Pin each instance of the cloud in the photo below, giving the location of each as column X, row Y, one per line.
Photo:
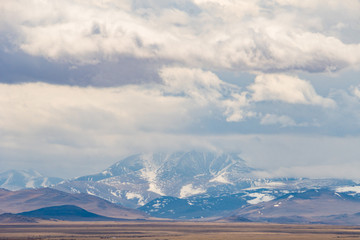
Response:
column 83, row 117
column 284, row 121
column 206, row 89
column 159, row 76
column 290, row 89
column 355, row 91
column 236, row 35
column 341, row 171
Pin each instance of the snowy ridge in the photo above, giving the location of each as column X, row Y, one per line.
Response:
column 140, row 178
column 15, row 180
column 190, row 179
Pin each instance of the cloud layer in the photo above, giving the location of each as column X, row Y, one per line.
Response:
column 258, row 36
column 83, row 80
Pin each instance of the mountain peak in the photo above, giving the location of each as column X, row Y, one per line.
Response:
column 20, row 179
column 141, row 177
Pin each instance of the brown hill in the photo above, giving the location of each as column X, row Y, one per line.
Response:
column 31, row 199
column 13, row 218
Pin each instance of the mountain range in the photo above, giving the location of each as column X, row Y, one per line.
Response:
column 20, row 179
column 140, row 178
column 199, row 185
column 320, row 206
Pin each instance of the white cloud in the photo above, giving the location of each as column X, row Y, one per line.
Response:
column 290, row 89
column 206, row 89
column 37, row 115
column 203, row 86
column 237, row 35
column 340, row 170
column 284, row 121
column 87, row 117
column 355, row 91
column 262, row 37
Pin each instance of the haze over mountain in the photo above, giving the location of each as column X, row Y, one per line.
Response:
column 20, row 179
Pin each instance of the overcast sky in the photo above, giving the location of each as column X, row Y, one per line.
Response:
column 84, row 83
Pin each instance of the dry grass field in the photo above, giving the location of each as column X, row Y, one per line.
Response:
column 172, row 230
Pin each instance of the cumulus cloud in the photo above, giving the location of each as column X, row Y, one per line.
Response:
column 205, row 88
column 237, row 35
column 290, row 89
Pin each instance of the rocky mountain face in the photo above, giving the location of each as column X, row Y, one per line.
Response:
column 138, row 179
column 15, row 180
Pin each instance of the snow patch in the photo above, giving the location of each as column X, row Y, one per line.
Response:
column 106, row 172
column 131, row 195
column 337, row 194
column 267, row 184
column 90, row 193
column 45, row 182
column 355, row 189
column 116, row 193
column 155, row 189
column 149, row 173
column 189, row 190
column 74, row 190
column 260, row 197
column 221, row 179
column 30, row 184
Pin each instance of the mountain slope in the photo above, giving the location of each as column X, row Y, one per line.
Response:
column 313, row 206
column 31, row 199
column 195, row 207
column 65, row 213
column 16, row 180
column 14, row 218
column 140, row 178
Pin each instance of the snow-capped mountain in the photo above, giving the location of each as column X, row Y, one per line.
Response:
column 322, row 206
column 212, row 206
column 196, row 185
column 15, row 180
column 141, row 178
column 202, row 178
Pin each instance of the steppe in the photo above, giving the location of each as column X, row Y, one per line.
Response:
column 172, row 231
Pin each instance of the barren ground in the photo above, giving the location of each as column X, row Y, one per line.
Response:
column 172, row 230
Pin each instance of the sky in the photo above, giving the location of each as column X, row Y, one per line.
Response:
column 84, row 83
